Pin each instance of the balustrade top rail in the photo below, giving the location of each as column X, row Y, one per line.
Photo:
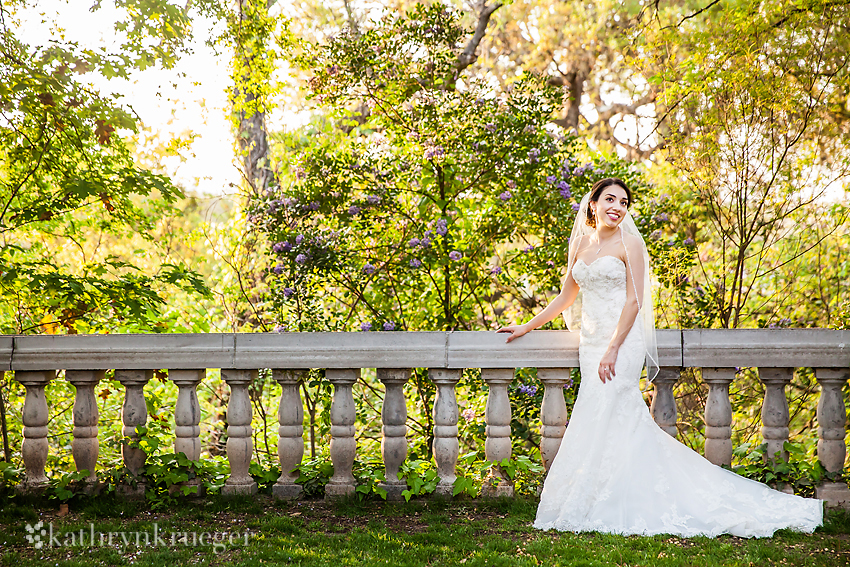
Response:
column 716, row 348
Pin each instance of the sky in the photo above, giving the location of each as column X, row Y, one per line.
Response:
column 164, row 101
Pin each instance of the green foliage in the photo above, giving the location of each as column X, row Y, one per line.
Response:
column 421, row 478
column 66, row 179
column 455, row 199
column 801, row 471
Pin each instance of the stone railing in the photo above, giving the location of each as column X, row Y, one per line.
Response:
column 776, row 353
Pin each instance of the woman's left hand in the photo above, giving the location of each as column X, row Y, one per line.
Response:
column 606, row 365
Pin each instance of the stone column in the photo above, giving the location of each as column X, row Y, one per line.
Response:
column 84, row 446
column 445, row 447
column 553, row 412
column 774, row 410
column 497, row 415
column 187, row 417
column 718, row 415
column 290, row 441
column 394, row 430
column 831, row 416
column 240, row 445
column 343, row 444
column 134, row 414
column 34, row 448
column 663, row 407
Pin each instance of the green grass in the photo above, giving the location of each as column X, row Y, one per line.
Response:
column 310, row 533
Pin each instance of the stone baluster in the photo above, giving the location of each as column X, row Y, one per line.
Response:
column 445, row 447
column 663, row 408
column 718, row 415
column 774, row 410
column 343, row 444
column 240, row 444
column 187, row 417
column 290, row 441
column 497, row 415
column 832, row 416
column 84, row 446
column 34, row 449
column 134, row 414
column 394, row 430
column 553, row 412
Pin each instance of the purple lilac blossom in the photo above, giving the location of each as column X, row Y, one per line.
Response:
column 569, row 383
column 279, row 329
column 551, row 179
column 468, row 414
column 455, row 255
column 416, row 263
column 490, row 127
column 511, row 184
column 575, row 207
column 533, row 154
column 496, row 270
column 299, row 239
column 314, row 206
column 389, row 326
column 365, row 326
column 529, row 390
column 369, row 269
column 529, row 248
column 565, row 191
column 505, row 196
column 688, row 241
column 301, row 258
column 434, row 152
column 662, row 218
column 655, row 235
column 373, row 199
column 442, row 227
column 278, row 269
column 288, row 292
column 278, row 247
column 425, row 242
column 353, row 210
column 413, row 242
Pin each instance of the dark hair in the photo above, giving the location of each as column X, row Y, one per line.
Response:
column 596, row 191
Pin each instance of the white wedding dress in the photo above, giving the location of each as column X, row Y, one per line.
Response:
column 618, row 472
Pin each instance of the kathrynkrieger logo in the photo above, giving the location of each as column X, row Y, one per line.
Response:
column 40, row 536
column 35, row 533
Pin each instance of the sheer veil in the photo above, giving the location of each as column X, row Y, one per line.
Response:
column 646, row 314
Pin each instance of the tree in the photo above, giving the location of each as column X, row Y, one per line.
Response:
column 68, row 180
column 757, row 105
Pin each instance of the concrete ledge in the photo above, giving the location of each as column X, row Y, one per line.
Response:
column 718, row 348
column 6, row 344
column 124, row 352
column 487, row 349
column 712, row 348
column 341, row 350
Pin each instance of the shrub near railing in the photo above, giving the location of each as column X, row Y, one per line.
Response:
column 502, row 469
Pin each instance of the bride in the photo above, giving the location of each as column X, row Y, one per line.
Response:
column 616, row 470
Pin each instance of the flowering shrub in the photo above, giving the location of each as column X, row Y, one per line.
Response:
column 442, row 203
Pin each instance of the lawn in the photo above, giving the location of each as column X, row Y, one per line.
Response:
column 258, row 531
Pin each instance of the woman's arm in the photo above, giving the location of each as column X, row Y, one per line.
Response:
column 634, row 292
column 569, row 292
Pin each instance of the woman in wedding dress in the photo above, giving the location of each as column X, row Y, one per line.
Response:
column 616, row 471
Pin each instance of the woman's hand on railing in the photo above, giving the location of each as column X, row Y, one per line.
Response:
column 516, row 331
